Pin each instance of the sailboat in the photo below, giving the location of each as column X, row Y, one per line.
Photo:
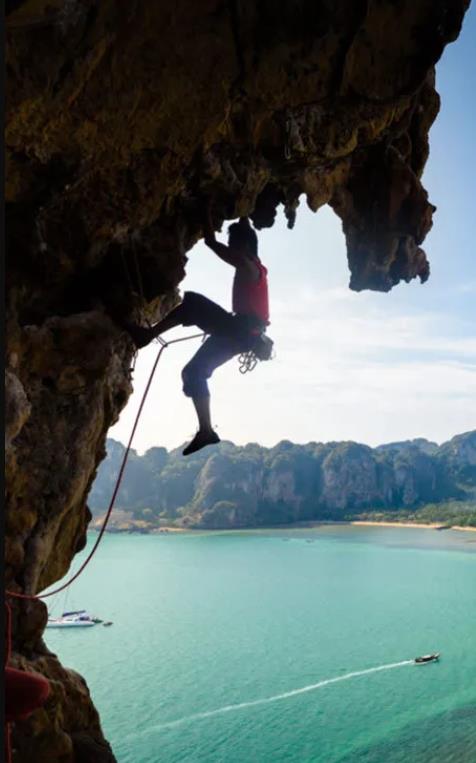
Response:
column 77, row 619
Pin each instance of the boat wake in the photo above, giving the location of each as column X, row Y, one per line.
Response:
column 269, row 700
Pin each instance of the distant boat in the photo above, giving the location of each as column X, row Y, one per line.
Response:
column 77, row 619
column 82, row 614
column 427, row 658
column 65, row 622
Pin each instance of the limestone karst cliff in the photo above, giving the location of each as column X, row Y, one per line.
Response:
column 122, row 118
column 228, row 486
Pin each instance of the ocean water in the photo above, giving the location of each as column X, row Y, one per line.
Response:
column 289, row 645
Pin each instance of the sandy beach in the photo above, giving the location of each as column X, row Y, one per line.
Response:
column 466, row 529
column 418, row 525
column 122, row 521
column 421, row 525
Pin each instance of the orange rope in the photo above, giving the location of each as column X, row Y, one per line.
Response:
column 163, row 344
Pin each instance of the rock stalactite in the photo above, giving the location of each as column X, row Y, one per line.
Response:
column 123, row 119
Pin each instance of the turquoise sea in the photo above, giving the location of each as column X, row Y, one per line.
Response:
column 281, row 645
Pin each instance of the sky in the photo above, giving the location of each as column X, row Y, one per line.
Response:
column 368, row 367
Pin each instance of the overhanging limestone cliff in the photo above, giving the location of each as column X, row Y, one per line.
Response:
column 123, row 119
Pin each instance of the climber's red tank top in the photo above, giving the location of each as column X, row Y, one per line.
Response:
column 251, row 297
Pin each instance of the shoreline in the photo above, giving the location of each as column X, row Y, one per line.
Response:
column 417, row 525
column 464, row 529
column 125, row 527
column 385, row 523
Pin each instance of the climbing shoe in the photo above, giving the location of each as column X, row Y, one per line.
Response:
column 140, row 335
column 200, row 440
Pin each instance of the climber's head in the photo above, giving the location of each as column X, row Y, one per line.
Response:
column 242, row 236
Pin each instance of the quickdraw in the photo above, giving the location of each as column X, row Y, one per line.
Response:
column 247, row 361
column 262, row 350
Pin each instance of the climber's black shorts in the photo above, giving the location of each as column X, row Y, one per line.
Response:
column 229, row 335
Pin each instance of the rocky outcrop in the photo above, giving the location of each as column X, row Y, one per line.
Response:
column 76, row 372
column 460, row 454
column 122, row 119
column 252, row 486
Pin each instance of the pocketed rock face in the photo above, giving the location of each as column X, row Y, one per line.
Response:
column 123, row 119
column 76, row 371
column 67, row 727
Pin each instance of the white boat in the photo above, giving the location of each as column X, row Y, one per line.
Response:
column 60, row 622
column 77, row 619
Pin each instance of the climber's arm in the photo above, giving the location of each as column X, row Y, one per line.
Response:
column 230, row 256
column 223, row 252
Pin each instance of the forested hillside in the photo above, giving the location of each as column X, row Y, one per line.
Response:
column 227, row 486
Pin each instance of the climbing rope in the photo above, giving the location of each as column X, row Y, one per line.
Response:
column 287, row 147
column 163, row 345
column 8, row 629
column 8, row 651
column 136, row 287
column 8, row 742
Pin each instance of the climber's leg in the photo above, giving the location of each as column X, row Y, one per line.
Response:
column 143, row 335
column 202, row 312
column 194, row 310
column 212, row 354
column 206, row 435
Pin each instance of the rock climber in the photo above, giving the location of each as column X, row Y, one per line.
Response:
column 229, row 333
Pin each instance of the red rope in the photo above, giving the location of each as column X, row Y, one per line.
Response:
column 8, row 623
column 8, row 743
column 118, row 481
column 8, row 651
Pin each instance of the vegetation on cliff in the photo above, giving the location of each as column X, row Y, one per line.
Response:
column 227, row 486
